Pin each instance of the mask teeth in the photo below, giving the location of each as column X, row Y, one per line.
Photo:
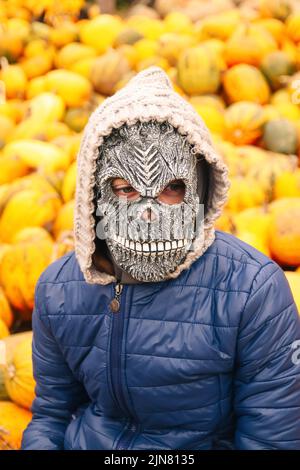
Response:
column 152, row 248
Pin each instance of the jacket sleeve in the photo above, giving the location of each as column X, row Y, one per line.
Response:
column 267, row 379
column 57, row 392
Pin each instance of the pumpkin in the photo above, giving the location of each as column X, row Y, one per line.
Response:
column 100, row 32
column 12, row 167
column 69, row 183
column 211, row 100
column 145, row 48
column 11, row 47
column 220, row 26
column 198, row 71
column 150, row 28
column 178, row 22
column 244, row 122
column 244, row 193
column 6, row 314
column 83, row 66
column 289, row 111
column 279, row 9
column 46, row 107
column 65, row 219
column 77, row 118
column 255, row 220
column 13, row 422
column 74, row 89
column 254, row 240
column 37, row 154
column 249, row 44
column 213, row 118
column 28, row 208
column 107, row 70
column 280, row 135
column 18, row 375
column 171, row 45
column 72, row 53
column 19, row 271
column 15, row 81
column 4, row 331
column 236, row 84
column 31, row 234
column 127, row 36
column 287, row 184
column 276, row 65
column 285, row 235
column 6, row 126
column 37, row 65
column 293, row 27
column 294, row 283
column 274, row 26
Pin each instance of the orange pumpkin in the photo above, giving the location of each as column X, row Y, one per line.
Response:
column 237, row 86
column 20, row 269
column 5, row 311
column 18, row 374
column 294, row 282
column 13, row 422
column 244, row 122
column 285, row 235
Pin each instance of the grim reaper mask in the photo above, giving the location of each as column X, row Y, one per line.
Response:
column 149, row 238
column 148, row 135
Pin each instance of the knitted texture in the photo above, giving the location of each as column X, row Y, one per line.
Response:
column 148, row 96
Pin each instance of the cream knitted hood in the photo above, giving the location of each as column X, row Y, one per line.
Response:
column 148, row 96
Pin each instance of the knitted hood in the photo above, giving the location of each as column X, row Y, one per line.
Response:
column 148, row 96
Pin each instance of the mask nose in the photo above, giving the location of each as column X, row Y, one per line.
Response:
column 148, row 215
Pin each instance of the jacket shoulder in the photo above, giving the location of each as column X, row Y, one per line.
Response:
column 62, row 270
column 233, row 248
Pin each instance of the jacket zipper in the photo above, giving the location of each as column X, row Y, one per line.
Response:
column 116, row 347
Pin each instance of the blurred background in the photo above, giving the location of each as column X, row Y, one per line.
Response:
column 236, row 62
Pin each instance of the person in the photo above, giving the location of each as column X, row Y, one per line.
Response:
column 159, row 332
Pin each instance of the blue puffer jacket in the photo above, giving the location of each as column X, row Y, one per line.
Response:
column 208, row 360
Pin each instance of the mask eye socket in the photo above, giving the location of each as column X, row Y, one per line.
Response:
column 173, row 193
column 121, row 188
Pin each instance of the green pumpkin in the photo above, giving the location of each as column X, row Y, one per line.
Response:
column 275, row 66
column 280, row 135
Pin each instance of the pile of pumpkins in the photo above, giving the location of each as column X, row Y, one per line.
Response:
column 238, row 66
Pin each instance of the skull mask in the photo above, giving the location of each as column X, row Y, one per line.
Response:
column 148, row 156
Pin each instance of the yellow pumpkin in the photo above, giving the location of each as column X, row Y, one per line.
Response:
column 100, row 32
column 12, row 167
column 13, row 422
column 178, row 22
column 13, row 109
column 249, row 44
column 31, row 234
column 213, row 118
column 46, row 107
column 293, row 27
column 11, row 46
column 18, row 375
column 171, row 45
column 35, row 86
column 275, row 8
column 287, row 184
column 145, row 48
column 150, row 28
column 69, row 183
column 37, row 154
column 285, row 235
column 72, row 53
column 244, row 122
column 65, row 219
column 15, row 81
column 4, row 331
column 37, row 65
column 19, row 271
column 236, row 84
column 254, row 240
column 294, row 282
column 83, row 67
column 221, row 25
column 74, row 89
column 6, row 314
column 107, row 70
column 255, row 220
column 28, row 208
column 6, row 127
column 198, row 71
column 244, row 193
column 274, row 26
column 63, row 33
